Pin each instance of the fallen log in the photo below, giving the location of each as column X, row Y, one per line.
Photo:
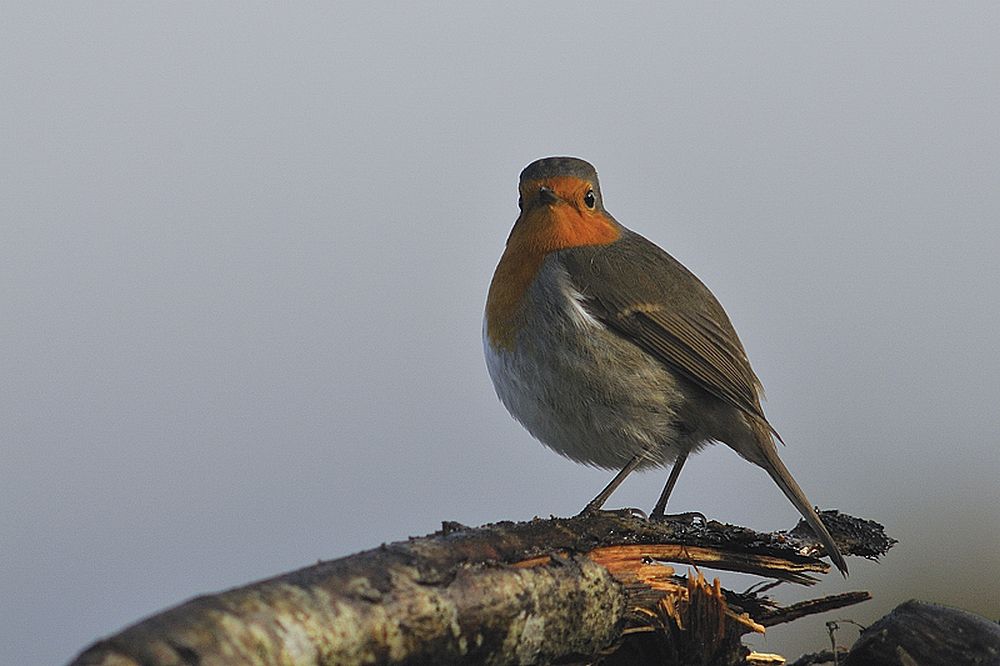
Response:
column 599, row 588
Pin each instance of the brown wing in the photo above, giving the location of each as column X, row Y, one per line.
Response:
column 649, row 298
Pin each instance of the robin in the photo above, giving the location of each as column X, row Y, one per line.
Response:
column 611, row 352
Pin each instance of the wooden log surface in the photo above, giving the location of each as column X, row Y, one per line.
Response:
column 917, row 633
column 587, row 588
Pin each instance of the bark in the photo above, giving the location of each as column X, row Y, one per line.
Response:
column 917, row 633
column 598, row 588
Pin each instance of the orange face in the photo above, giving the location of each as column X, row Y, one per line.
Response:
column 564, row 217
column 556, row 213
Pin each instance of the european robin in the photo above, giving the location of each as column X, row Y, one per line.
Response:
column 611, row 352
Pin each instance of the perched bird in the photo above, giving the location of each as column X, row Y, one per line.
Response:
column 611, row 352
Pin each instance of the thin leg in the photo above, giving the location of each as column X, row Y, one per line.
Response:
column 602, row 497
column 675, row 472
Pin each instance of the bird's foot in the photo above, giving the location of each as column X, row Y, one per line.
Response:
column 691, row 517
column 625, row 512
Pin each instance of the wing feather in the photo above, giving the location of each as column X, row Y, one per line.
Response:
column 669, row 313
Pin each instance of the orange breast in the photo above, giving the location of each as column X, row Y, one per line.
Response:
column 535, row 234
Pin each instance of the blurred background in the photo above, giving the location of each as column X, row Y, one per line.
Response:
column 245, row 250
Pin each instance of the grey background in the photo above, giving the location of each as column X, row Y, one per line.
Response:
column 245, row 250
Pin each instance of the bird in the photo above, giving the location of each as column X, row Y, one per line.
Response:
column 612, row 353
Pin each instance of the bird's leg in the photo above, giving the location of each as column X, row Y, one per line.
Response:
column 661, row 503
column 602, row 497
column 675, row 472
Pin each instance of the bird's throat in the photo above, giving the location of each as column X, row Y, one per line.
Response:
column 537, row 233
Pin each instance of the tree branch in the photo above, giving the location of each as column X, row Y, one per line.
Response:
column 596, row 587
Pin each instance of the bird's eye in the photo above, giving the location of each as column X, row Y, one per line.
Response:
column 590, row 199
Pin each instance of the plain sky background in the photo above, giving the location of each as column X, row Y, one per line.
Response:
column 245, row 250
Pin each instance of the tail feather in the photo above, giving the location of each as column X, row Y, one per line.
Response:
column 777, row 470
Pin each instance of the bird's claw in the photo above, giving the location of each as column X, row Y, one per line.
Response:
column 625, row 512
column 695, row 518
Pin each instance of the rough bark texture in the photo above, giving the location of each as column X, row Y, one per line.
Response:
column 917, row 633
column 584, row 589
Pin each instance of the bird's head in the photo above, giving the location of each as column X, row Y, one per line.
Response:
column 561, row 206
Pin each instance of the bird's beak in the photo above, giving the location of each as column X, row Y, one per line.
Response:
column 547, row 195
